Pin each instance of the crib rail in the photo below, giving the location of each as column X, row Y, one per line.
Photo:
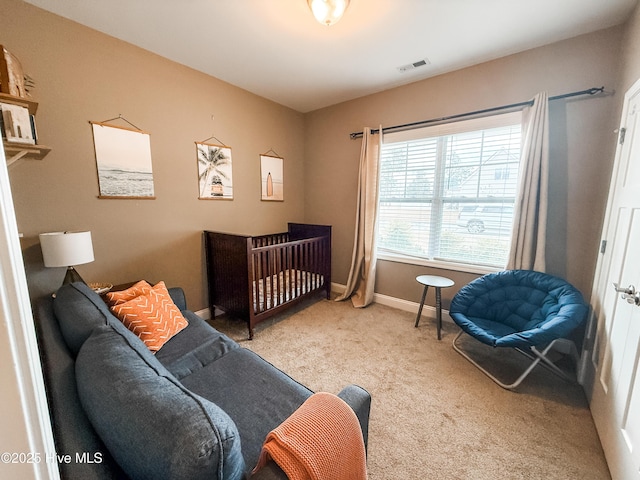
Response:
column 272, row 239
column 282, row 272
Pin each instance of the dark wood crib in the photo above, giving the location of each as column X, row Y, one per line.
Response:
column 256, row 277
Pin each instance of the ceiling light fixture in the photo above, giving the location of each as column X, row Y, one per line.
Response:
column 328, row 12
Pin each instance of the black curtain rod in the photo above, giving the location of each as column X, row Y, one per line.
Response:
column 407, row 126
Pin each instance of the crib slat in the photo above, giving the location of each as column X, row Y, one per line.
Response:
column 288, row 280
column 275, row 277
column 305, row 282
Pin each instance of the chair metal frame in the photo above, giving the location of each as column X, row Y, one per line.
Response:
column 538, row 357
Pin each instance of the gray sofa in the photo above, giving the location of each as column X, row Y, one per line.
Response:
column 200, row 407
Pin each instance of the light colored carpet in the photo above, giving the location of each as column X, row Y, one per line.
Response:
column 433, row 414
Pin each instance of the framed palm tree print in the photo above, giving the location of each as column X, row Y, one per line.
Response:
column 215, row 181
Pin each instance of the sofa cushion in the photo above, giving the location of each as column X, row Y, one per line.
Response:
column 152, row 425
column 72, row 430
column 151, row 316
column 79, row 310
column 255, row 394
column 121, row 296
column 178, row 297
column 197, row 345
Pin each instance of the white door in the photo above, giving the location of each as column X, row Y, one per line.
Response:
column 612, row 379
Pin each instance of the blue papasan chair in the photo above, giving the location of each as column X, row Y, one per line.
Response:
column 521, row 309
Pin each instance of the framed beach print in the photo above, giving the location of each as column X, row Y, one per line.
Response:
column 272, row 178
column 123, row 158
column 215, row 180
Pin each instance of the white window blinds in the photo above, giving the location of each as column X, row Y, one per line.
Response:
column 447, row 191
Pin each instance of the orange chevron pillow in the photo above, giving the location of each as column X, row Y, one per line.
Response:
column 116, row 298
column 153, row 317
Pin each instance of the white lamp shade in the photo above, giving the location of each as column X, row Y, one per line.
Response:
column 65, row 249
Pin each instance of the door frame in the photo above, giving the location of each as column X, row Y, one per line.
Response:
column 26, row 422
column 586, row 368
column 589, row 368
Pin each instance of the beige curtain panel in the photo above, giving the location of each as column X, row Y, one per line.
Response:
column 362, row 276
column 530, row 222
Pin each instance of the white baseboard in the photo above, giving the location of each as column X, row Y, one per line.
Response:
column 204, row 314
column 404, row 305
column 428, row 311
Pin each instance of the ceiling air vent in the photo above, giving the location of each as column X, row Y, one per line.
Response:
column 411, row 66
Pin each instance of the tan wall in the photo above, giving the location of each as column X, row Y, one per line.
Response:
column 582, row 145
column 83, row 75
column 630, row 58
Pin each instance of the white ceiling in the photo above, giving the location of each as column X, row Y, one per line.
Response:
column 276, row 49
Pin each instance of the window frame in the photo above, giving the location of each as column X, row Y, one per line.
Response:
column 449, row 128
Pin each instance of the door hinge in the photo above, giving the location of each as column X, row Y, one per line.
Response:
column 603, row 246
column 623, row 132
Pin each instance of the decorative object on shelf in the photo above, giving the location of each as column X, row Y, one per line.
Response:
column 67, row 249
column 272, row 177
column 100, row 288
column 17, row 125
column 15, row 151
column 11, row 74
column 328, row 12
column 29, row 84
column 123, row 159
column 215, row 180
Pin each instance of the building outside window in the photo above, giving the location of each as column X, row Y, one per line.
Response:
column 447, row 193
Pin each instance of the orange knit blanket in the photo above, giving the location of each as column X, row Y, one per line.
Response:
column 321, row 440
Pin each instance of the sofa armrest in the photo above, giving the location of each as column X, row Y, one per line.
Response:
column 360, row 402
column 177, row 295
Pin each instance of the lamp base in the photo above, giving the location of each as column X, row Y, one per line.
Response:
column 72, row 276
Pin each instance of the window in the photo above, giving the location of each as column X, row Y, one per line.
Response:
column 447, row 192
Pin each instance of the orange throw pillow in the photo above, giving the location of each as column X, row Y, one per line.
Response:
column 153, row 317
column 116, row 298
